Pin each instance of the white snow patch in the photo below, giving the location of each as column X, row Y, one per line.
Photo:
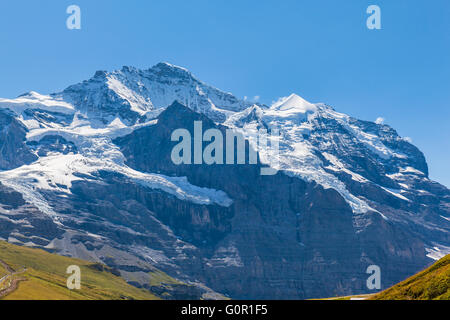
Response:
column 339, row 166
column 408, row 139
column 411, row 170
column 34, row 100
column 437, row 252
column 137, row 103
column 293, row 105
column 379, row 120
column 396, row 193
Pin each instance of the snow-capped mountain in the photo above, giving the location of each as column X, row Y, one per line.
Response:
column 87, row 172
column 136, row 95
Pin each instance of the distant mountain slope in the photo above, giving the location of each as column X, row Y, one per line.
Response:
column 430, row 284
column 46, row 277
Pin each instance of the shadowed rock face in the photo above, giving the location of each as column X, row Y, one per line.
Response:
column 13, row 150
column 424, row 202
column 21, row 222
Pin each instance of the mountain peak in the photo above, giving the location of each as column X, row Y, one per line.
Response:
column 167, row 69
column 135, row 95
column 293, row 104
column 167, row 65
column 100, row 74
column 162, row 69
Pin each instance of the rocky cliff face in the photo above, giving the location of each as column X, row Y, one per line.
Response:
column 88, row 173
column 281, row 227
column 13, row 150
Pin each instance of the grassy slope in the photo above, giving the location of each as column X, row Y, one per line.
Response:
column 46, row 275
column 431, row 284
column 158, row 278
column 357, row 297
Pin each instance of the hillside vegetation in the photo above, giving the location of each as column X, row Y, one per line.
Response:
column 431, row 284
column 42, row 276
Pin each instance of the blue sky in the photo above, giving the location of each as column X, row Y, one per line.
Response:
column 321, row 50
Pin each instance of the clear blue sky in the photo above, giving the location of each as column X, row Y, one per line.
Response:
column 318, row 49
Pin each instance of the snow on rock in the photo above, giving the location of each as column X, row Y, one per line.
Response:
column 372, row 141
column 437, row 252
column 291, row 105
column 96, row 153
column 34, row 100
column 133, row 93
column 296, row 155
